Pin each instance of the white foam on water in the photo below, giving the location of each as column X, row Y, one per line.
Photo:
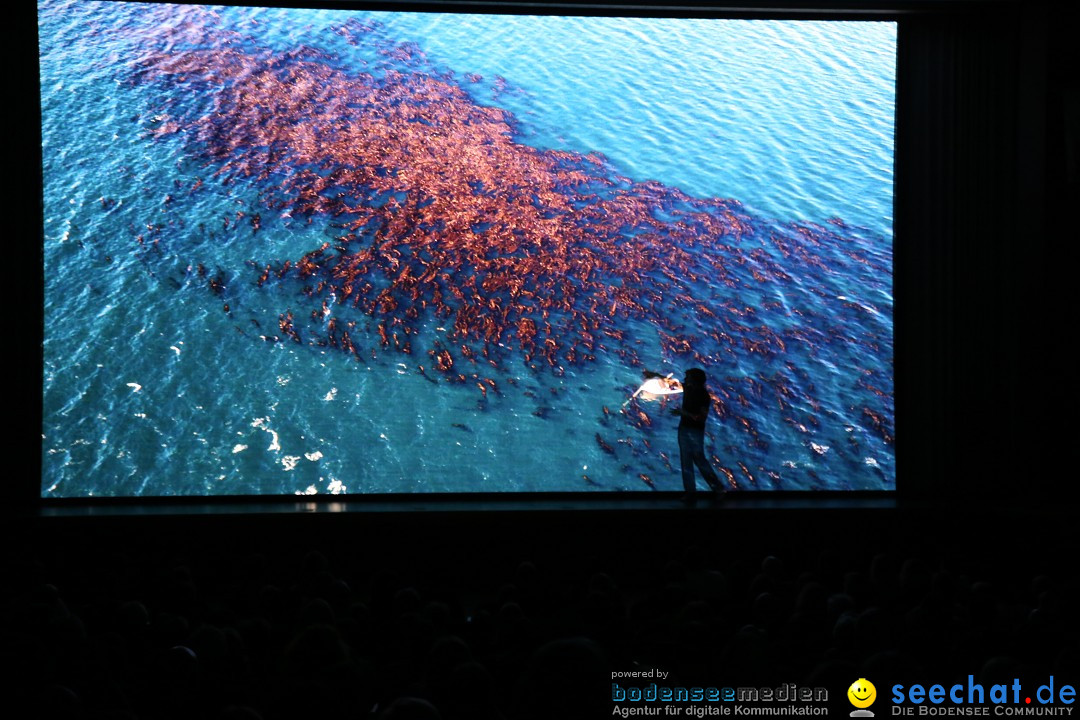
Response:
column 262, row 424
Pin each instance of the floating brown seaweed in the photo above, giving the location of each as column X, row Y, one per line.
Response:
column 546, row 258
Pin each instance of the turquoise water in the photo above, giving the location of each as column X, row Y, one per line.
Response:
column 151, row 388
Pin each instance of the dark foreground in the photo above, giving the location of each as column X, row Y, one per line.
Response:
column 510, row 611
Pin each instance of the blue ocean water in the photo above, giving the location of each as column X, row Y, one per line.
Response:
column 151, row 389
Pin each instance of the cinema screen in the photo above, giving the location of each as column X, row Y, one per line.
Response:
column 373, row 252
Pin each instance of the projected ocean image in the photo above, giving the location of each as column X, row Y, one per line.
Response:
column 309, row 252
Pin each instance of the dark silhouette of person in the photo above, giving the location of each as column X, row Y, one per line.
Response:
column 693, row 413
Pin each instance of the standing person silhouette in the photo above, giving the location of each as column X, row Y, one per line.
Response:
column 693, row 413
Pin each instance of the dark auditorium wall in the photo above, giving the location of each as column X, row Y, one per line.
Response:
column 983, row 185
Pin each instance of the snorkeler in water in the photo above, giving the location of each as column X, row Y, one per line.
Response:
column 667, row 382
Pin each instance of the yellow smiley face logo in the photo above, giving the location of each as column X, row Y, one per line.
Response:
column 862, row 693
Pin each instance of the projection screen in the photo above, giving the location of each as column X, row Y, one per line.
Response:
column 308, row 251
